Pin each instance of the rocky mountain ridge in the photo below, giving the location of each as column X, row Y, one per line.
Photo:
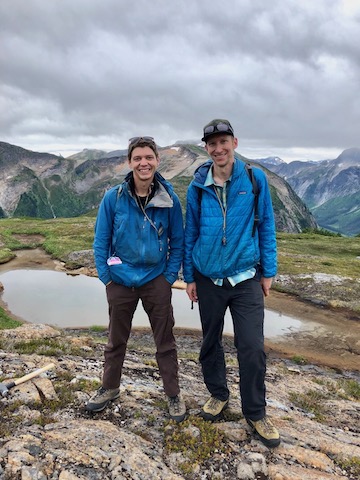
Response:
column 330, row 188
column 47, row 186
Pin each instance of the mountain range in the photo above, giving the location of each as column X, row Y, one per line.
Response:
column 47, row 186
column 330, row 188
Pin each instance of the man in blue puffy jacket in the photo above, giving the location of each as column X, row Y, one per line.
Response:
column 138, row 250
column 229, row 261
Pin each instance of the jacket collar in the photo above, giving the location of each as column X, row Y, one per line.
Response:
column 162, row 196
column 201, row 172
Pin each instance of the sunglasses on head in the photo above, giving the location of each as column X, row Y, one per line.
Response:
column 219, row 127
column 139, row 139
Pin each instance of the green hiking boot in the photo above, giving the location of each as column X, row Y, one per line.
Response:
column 265, row 431
column 213, row 408
column 177, row 408
column 101, row 399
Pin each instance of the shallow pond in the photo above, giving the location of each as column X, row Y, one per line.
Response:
column 63, row 300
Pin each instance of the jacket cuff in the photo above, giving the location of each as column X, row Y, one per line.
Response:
column 106, row 280
column 170, row 277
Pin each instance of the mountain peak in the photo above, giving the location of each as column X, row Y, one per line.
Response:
column 269, row 161
column 352, row 154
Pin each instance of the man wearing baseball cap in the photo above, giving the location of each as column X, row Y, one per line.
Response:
column 229, row 262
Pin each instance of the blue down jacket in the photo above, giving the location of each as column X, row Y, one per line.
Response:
column 204, row 249
column 146, row 251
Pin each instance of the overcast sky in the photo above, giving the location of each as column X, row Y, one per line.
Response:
column 80, row 74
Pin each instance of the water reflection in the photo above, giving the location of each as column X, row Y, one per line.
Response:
column 55, row 298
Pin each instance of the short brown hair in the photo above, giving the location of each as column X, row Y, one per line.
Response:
column 142, row 142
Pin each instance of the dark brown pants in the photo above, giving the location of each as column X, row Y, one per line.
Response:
column 156, row 300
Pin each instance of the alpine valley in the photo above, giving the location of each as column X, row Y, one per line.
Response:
column 305, row 194
column 330, row 188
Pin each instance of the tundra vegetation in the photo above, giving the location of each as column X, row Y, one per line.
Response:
column 300, row 255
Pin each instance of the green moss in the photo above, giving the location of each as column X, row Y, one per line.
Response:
column 351, row 388
column 345, row 388
column 184, row 355
column 151, row 363
column 299, row 360
column 351, row 465
column 9, row 419
column 161, row 404
column 41, row 346
column 97, row 328
column 6, row 321
column 195, row 439
column 311, row 401
column 6, row 255
column 46, row 346
column 87, row 386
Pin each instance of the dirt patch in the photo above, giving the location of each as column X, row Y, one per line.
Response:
column 33, row 258
column 29, row 238
column 335, row 343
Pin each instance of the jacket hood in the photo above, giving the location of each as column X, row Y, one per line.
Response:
column 201, row 172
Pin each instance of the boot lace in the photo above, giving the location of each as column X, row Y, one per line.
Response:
column 213, row 403
column 267, row 426
column 100, row 392
column 175, row 404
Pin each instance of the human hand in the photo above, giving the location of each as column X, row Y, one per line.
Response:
column 191, row 291
column 266, row 285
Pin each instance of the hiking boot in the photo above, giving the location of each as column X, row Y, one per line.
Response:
column 213, row 408
column 101, row 399
column 265, row 431
column 177, row 408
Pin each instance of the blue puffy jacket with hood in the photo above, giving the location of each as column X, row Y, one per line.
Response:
column 146, row 249
column 204, row 249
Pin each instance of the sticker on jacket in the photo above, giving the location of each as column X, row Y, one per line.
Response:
column 113, row 261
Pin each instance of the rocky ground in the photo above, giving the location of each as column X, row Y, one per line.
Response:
column 312, row 388
column 46, row 433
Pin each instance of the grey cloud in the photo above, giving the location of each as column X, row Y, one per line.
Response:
column 285, row 73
